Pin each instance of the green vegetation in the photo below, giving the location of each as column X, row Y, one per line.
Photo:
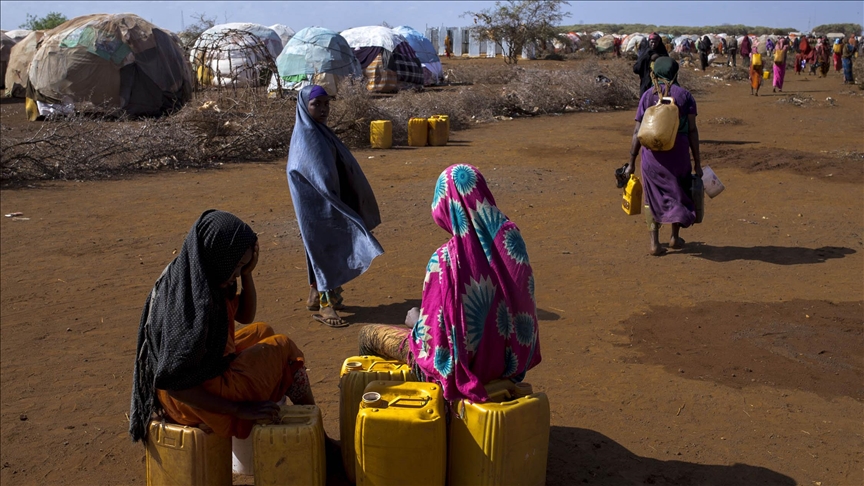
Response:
column 842, row 28
column 53, row 19
column 736, row 29
column 515, row 23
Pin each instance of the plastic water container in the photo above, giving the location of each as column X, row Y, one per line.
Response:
column 31, row 109
column 292, row 451
column 502, row 441
column 437, row 131
column 446, row 119
column 417, row 132
column 712, row 183
column 632, row 201
column 356, row 373
column 381, row 134
column 180, row 455
column 766, row 74
column 403, row 440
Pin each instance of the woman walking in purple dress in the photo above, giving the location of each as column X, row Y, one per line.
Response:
column 666, row 175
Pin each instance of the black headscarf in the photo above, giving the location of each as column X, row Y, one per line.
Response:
column 643, row 62
column 184, row 325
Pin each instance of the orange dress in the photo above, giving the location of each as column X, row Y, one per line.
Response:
column 263, row 369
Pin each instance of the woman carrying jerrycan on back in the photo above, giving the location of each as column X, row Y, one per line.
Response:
column 477, row 321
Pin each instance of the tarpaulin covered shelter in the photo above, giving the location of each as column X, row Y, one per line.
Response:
column 284, row 32
column 15, row 80
column 632, row 41
column 112, row 61
column 426, row 54
column 316, row 55
column 6, row 44
column 17, row 35
column 388, row 61
column 235, row 54
column 605, row 43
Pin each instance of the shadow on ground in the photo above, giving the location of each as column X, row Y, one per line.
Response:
column 778, row 255
column 393, row 313
column 582, row 456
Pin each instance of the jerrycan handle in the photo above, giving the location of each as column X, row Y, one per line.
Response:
column 390, row 364
column 412, row 402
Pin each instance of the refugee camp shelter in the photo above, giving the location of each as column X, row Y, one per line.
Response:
column 315, row 55
column 110, row 61
column 426, row 54
column 236, row 54
column 388, row 61
column 284, row 32
column 15, row 79
column 17, row 35
column 6, row 44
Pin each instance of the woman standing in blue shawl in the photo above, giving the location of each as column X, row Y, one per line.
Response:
column 334, row 204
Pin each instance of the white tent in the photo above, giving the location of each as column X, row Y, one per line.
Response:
column 388, row 60
column 17, row 35
column 234, row 54
column 285, row 33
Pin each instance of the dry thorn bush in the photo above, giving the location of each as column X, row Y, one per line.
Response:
column 244, row 124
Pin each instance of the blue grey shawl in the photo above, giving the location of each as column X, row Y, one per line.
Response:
column 337, row 237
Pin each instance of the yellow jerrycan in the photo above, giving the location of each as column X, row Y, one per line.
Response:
column 381, row 134
column 417, row 132
column 292, row 451
column 502, row 441
column 632, row 200
column 180, row 455
column 356, row 373
column 401, row 435
column 437, row 131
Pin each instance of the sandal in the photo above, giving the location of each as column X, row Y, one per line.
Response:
column 334, row 322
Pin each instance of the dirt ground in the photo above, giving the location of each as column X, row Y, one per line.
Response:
column 737, row 360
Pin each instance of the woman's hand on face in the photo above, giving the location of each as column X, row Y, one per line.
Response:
column 258, row 411
column 412, row 317
column 247, row 269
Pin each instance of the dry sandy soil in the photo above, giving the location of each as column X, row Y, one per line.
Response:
column 737, row 360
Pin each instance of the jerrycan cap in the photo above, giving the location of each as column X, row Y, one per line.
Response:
column 522, row 389
column 354, row 365
column 373, row 400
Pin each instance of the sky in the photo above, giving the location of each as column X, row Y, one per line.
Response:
column 339, row 16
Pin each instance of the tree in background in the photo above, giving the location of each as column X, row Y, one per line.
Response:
column 190, row 34
column 53, row 19
column 841, row 28
column 513, row 24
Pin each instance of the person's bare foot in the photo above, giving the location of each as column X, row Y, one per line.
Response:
column 657, row 250
column 313, row 302
column 676, row 243
column 329, row 317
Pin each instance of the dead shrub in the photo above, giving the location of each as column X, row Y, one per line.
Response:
column 720, row 120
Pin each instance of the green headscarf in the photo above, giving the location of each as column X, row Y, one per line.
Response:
column 666, row 69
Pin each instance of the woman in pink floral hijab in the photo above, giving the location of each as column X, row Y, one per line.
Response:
column 478, row 319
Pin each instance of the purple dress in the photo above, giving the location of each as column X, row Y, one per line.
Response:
column 665, row 173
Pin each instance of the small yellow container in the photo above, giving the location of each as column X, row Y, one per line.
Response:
column 180, row 455
column 403, row 441
column 446, row 119
column 766, row 74
column 632, row 202
column 205, row 75
column 381, row 134
column 291, row 452
column 417, row 132
column 437, row 131
column 502, row 441
column 31, row 109
column 356, row 373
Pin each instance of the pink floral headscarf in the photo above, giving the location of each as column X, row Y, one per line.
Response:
column 478, row 320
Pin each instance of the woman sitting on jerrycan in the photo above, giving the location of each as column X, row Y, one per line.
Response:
column 477, row 321
column 191, row 364
column 666, row 174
